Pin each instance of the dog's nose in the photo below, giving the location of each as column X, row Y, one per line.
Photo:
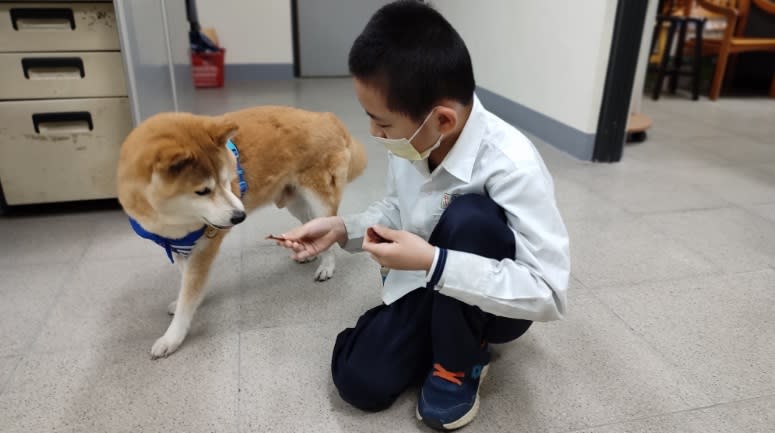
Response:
column 237, row 217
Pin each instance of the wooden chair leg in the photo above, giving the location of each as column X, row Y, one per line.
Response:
column 663, row 63
column 697, row 64
column 718, row 74
column 679, row 56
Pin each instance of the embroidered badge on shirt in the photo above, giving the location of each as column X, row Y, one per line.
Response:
column 447, row 198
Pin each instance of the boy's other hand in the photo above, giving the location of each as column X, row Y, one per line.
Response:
column 399, row 249
column 314, row 237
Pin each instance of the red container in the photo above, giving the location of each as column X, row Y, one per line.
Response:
column 207, row 68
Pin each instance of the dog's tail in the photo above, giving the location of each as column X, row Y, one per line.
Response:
column 358, row 159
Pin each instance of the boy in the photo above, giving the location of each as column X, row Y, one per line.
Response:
column 469, row 227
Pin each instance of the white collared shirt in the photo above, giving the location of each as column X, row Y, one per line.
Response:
column 490, row 158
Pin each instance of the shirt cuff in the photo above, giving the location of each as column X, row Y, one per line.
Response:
column 433, row 265
column 437, row 268
column 356, row 230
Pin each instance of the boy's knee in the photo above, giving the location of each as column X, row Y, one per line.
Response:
column 471, row 212
column 474, row 223
column 362, row 390
column 471, row 201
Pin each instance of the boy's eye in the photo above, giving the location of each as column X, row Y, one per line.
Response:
column 203, row 191
column 383, row 126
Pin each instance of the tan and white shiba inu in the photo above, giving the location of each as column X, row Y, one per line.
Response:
column 179, row 181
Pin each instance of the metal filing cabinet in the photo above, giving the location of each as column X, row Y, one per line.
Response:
column 64, row 109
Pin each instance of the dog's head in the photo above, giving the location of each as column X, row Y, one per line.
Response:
column 175, row 169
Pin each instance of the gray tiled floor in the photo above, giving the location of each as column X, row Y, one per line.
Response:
column 670, row 326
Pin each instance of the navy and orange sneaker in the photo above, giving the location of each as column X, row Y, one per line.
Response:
column 450, row 399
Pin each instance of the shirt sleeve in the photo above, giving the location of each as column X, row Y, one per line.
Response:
column 531, row 286
column 385, row 212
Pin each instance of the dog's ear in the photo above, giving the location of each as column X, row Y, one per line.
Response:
column 173, row 161
column 221, row 130
column 177, row 165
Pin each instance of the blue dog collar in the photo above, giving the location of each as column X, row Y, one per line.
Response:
column 243, row 184
column 182, row 246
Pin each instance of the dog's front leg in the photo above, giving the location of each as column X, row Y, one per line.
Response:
column 194, row 276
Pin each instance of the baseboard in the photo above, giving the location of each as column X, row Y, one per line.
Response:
column 258, row 71
column 564, row 137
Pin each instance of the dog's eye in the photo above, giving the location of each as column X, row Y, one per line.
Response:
column 204, row 191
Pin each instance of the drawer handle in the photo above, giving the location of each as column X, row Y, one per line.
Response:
column 44, row 18
column 69, row 121
column 52, row 65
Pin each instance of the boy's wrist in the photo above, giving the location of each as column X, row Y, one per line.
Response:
column 340, row 230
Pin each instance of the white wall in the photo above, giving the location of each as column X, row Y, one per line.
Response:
column 550, row 56
column 252, row 31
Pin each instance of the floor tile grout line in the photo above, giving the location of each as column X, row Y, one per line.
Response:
column 710, row 189
column 639, row 215
column 728, row 205
column 690, row 246
column 14, row 266
column 750, row 212
column 7, row 381
column 607, row 287
column 610, row 286
column 662, row 356
column 74, row 266
column 670, row 413
column 142, row 339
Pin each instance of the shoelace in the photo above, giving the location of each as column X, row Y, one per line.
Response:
column 450, row 376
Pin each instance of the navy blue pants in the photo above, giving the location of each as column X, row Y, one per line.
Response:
column 394, row 346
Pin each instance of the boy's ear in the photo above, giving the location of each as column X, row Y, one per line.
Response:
column 447, row 119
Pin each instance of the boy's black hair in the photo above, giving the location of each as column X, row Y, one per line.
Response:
column 415, row 57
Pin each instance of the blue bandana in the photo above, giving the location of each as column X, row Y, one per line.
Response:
column 182, row 246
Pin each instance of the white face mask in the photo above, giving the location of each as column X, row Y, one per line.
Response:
column 402, row 147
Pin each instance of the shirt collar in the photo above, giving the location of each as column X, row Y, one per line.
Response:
column 460, row 160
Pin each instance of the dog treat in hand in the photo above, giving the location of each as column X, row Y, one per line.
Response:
column 375, row 237
column 276, row 238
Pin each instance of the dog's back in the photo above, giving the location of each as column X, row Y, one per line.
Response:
column 284, row 146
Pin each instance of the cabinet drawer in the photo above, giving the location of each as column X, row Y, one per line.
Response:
column 61, row 150
column 57, row 26
column 61, row 75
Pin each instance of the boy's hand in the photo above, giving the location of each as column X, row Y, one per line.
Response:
column 314, row 237
column 399, row 249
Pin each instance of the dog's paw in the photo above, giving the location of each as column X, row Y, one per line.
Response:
column 171, row 308
column 324, row 272
column 165, row 346
column 307, row 260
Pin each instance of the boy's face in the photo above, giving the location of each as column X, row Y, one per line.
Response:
column 389, row 124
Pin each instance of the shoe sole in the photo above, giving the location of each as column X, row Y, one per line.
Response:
column 463, row 420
